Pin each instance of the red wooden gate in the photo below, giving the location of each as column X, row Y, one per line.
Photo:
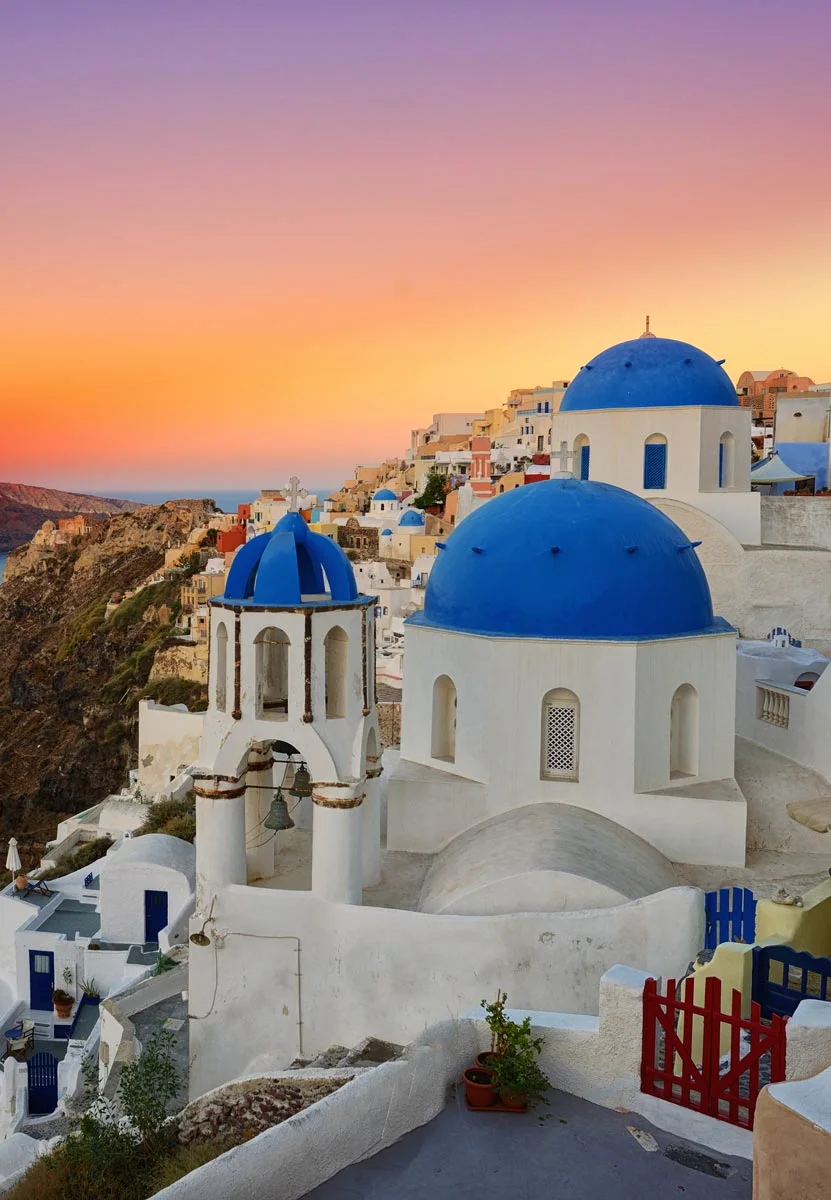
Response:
column 728, row 1091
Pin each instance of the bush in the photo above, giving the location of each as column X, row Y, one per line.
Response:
column 133, row 609
column 172, row 690
column 176, row 818
column 86, row 853
column 81, row 628
column 433, row 494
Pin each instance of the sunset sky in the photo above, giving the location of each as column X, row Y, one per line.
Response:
column 242, row 238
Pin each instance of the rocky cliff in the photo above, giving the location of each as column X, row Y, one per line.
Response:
column 24, row 508
column 70, row 679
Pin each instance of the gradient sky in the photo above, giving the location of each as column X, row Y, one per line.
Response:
column 246, row 237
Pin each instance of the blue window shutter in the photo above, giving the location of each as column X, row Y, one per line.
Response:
column 654, row 465
column 584, row 461
column 721, row 464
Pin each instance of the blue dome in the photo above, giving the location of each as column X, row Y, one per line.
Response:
column 386, row 533
column 385, row 494
column 650, row 372
column 413, row 516
column 288, row 567
column 569, row 559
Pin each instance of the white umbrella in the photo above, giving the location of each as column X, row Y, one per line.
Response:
column 13, row 862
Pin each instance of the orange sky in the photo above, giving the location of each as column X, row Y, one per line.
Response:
column 244, row 242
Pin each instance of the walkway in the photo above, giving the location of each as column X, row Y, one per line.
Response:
column 572, row 1151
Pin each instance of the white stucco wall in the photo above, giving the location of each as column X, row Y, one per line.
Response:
column 625, row 691
column 153, row 862
column 168, row 739
column 392, row 972
column 797, row 520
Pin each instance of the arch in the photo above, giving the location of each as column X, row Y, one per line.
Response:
column 806, row 680
column 655, row 462
column 582, row 453
column 443, row 740
column 683, row 732
column 272, row 668
column 726, row 460
column 560, row 742
column 336, row 654
column 221, row 667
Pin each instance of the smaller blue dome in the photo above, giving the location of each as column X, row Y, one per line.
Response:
column 386, row 533
column 650, row 372
column 290, row 566
column 384, row 494
column 413, row 516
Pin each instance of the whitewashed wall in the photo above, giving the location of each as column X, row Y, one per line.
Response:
column 391, row 973
column 797, row 521
column 122, row 897
column 168, row 738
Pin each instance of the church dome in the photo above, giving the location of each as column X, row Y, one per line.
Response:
column 290, row 566
column 650, row 372
column 386, row 533
column 384, row 494
column 413, row 516
column 569, row 559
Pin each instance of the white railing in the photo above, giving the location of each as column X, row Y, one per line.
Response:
column 773, row 703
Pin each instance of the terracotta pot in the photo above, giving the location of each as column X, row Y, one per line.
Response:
column 479, row 1087
column 62, row 1011
column 21, row 883
column 485, row 1060
column 513, row 1100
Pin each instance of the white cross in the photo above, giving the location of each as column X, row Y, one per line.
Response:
column 293, row 492
column 564, row 455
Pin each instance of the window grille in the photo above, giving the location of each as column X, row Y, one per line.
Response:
column 654, row 465
column 584, row 461
column 721, row 464
column 560, row 741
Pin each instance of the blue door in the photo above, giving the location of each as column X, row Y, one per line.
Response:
column 43, row 1084
column 155, row 914
column 41, row 979
column 585, row 452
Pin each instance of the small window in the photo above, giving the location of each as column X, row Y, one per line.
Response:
column 41, row 963
column 560, row 735
column 655, row 463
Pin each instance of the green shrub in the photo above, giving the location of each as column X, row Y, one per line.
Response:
column 81, row 628
column 133, row 609
column 86, row 853
column 172, row 690
column 176, row 818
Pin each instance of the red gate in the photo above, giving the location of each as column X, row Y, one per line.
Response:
column 726, row 1090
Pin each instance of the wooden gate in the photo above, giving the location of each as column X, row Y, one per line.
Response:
column 43, row 1084
column 731, row 916
column 722, row 1085
column 782, row 977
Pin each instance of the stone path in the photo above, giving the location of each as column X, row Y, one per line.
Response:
column 572, row 1151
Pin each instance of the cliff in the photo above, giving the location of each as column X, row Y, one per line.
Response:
column 70, row 679
column 24, row 508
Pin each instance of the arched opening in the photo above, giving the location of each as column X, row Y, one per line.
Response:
column 806, row 680
column 655, row 462
column 683, row 732
column 560, row 756
column 336, row 647
column 582, row 452
column 726, row 458
column 272, row 672
column 221, row 667
column 443, row 743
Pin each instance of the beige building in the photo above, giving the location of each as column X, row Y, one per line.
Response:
column 201, row 588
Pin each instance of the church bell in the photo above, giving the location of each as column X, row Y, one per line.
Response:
column 302, row 785
column 278, row 817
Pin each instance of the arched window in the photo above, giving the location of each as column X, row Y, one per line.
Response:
column 336, row 648
column 272, row 672
column 726, row 468
column 560, row 757
column 655, row 462
column 582, row 451
column 443, row 743
column 683, row 732
column 221, row 666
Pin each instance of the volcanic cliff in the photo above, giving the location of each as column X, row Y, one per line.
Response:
column 70, row 678
column 24, row 508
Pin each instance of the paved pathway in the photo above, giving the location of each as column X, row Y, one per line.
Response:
column 570, row 1151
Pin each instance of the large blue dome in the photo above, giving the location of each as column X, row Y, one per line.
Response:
column 384, row 494
column 569, row 559
column 288, row 567
column 412, row 516
column 650, row 372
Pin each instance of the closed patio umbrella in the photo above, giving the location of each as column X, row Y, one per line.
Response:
column 13, row 862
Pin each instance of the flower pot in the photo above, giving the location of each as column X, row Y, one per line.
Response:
column 62, row 1011
column 485, row 1060
column 513, row 1100
column 479, row 1087
column 96, row 1000
column 21, row 883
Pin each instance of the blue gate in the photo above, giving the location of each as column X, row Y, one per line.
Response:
column 782, row 977
column 155, row 914
column 731, row 917
column 43, row 1084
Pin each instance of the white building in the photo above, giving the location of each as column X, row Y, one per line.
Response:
column 568, row 652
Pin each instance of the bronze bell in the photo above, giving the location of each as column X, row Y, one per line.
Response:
column 302, row 785
column 278, row 817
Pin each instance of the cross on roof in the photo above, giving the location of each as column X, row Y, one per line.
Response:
column 294, row 491
column 564, row 455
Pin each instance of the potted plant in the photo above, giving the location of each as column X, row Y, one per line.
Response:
column 63, row 1003
column 516, row 1073
column 479, row 1087
column 497, row 1023
column 91, row 993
